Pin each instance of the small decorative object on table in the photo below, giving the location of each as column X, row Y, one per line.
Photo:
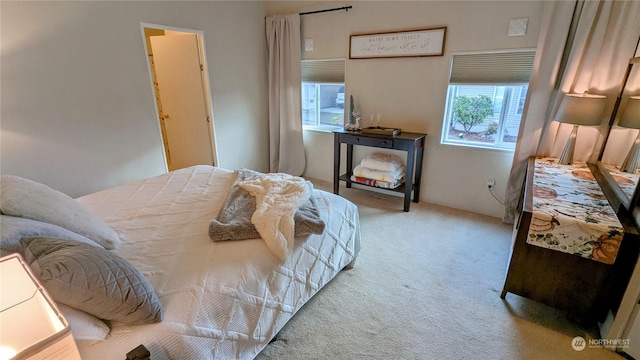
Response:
column 379, row 129
column 355, row 126
column 354, row 117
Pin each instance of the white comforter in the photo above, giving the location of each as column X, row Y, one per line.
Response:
column 222, row 300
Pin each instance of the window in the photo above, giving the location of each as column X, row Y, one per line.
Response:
column 323, row 95
column 485, row 99
column 322, row 104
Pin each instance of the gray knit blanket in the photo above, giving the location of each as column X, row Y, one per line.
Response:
column 234, row 220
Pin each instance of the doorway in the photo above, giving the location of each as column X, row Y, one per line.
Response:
column 178, row 71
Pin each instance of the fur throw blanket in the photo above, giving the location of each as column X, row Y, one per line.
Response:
column 278, row 196
column 234, row 222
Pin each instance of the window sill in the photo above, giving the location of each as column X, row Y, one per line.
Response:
column 324, row 129
column 478, row 146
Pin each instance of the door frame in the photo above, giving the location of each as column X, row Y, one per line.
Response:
column 204, row 76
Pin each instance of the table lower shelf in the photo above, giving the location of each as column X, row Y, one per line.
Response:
column 400, row 189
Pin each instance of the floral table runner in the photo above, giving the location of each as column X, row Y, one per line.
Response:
column 571, row 213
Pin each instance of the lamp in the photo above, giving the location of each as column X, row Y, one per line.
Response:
column 31, row 326
column 631, row 119
column 578, row 109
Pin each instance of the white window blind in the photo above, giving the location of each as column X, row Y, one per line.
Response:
column 495, row 67
column 327, row 71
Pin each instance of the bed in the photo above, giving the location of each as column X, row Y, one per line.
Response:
column 224, row 299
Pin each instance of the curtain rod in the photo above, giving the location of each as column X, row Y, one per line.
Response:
column 345, row 8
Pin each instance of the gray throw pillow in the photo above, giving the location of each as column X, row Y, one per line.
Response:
column 92, row 279
column 28, row 199
column 13, row 229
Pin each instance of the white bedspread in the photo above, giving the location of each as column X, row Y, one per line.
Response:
column 222, row 300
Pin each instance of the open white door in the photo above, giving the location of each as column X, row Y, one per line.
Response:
column 188, row 127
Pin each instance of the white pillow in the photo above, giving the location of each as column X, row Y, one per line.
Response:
column 29, row 199
column 84, row 326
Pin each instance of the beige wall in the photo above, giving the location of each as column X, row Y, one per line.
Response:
column 77, row 107
column 410, row 92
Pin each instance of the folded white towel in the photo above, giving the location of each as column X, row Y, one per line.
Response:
column 383, row 162
column 387, row 176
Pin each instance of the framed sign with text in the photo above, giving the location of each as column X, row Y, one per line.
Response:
column 392, row 44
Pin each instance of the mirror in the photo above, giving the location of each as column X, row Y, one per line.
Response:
column 620, row 157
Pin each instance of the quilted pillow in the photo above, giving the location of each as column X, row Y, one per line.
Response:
column 93, row 280
column 12, row 229
column 29, row 199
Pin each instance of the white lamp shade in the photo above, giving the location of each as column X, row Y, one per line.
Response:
column 31, row 326
column 631, row 116
column 581, row 109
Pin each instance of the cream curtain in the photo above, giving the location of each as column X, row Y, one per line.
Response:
column 285, row 118
column 583, row 46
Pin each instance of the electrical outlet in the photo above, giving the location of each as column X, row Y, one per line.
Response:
column 491, row 182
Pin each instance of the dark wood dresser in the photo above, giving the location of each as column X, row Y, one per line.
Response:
column 579, row 256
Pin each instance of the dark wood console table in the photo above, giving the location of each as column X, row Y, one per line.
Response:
column 412, row 143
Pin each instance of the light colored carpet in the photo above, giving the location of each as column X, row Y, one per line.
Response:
column 427, row 286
